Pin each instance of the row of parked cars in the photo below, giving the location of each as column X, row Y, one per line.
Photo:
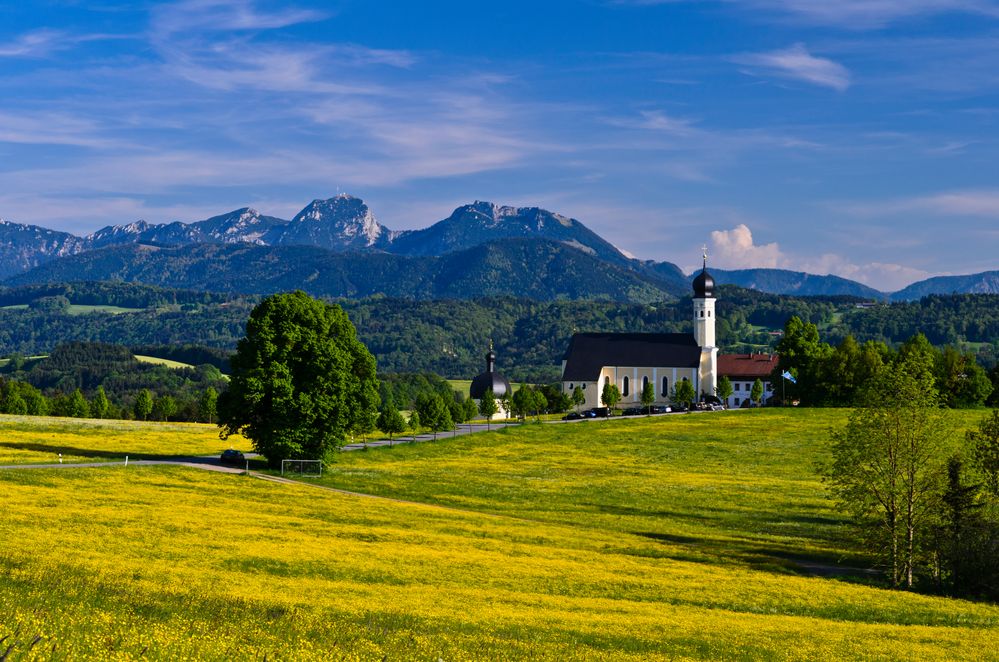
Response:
column 712, row 404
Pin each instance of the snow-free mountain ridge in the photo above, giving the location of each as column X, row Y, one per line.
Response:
column 345, row 224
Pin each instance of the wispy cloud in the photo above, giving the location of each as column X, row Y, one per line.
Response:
column 850, row 14
column 225, row 16
column 31, row 44
column 798, row 64
column 983, row 203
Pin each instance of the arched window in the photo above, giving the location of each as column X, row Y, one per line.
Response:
column 583, row 386
column 645, row 383
column 624, row 385
column 606, row 381
column 571, row 387
column 665, row 392
column 702, row 313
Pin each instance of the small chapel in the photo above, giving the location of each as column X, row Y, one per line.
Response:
column 631, row 360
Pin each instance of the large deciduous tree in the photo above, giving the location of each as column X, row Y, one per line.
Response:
column 301, row 380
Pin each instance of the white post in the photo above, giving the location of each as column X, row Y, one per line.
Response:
column 126, row 460
column 60, row 458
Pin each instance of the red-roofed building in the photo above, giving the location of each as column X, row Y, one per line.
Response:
column 744, row 369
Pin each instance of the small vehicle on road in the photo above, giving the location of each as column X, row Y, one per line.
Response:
column 572, row 416
column 232, row 456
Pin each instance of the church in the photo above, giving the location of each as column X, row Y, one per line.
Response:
column 632, row 360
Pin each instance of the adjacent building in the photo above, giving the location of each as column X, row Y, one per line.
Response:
column 743, row 370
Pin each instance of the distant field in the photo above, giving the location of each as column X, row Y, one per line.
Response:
column 80, row 309
column 461, row 385
column 663, row 538
column 40, row 439
column 158, row 361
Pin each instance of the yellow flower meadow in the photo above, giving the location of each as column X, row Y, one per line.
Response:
column 121, row 563
column 41, row 439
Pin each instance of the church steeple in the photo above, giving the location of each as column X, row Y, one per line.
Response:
column 704, row 327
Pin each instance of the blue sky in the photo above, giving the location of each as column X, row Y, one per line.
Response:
column 856, row 137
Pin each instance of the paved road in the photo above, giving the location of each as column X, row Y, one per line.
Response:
column 211, row 463
column 461, row 430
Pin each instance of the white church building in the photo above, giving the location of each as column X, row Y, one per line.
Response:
column 632, row 360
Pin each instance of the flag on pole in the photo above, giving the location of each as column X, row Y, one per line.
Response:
column 789, row 377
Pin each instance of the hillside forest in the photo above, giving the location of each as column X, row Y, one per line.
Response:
column 416, row 343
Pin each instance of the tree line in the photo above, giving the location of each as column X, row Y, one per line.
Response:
column 827, row 375
column 446, row 337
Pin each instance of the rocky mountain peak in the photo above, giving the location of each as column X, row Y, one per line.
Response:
column 341, row 222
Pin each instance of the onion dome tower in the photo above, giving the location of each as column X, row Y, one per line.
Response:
column 490, row 379
column 704, row 328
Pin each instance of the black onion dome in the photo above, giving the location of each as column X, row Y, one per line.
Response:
column 490, row 379
column 704, row 285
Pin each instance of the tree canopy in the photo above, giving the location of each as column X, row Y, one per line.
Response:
column 301, row 380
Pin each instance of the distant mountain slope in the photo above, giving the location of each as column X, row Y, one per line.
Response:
column 480, row 222
column 24, row 247
column 240, row 226
column 538, row 269
column 781, row 281
column 341, row 223
column 986, row 282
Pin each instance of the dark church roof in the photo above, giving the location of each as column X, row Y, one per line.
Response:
column 589, row 352
column 490, row 379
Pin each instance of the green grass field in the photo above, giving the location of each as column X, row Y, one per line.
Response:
column 682, row 537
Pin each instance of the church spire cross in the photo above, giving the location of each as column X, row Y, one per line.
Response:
column 704, row 254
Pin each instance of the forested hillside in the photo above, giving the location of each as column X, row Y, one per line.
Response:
column 450, row 337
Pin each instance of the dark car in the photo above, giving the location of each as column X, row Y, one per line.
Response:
column 572, row 416
column 232, row 456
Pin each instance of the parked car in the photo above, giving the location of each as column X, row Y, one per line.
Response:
column 232, row 456
column 572, row 416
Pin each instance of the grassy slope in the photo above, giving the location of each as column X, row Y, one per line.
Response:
column 40, row 439
column 672, row 546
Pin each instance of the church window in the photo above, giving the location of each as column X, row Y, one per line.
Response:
column 606, row 381
column 702, row 313
column 709, row 313
column 665, row 391
column 624, row 384
column 571, row 387
column 645, row 382
column 583, row 386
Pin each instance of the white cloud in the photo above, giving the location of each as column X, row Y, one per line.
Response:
column 798, row 64
column 735, row 249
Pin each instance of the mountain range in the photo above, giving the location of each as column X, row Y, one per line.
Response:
column 336, row 247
